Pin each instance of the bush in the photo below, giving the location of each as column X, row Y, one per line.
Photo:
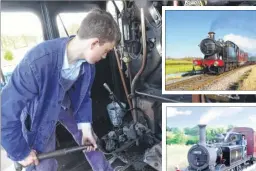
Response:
column 169, row 141
column 8, row 55
column 192, row 140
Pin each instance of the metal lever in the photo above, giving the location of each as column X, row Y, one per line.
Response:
column 107, row 88
column 19, row 167
column 113, row 96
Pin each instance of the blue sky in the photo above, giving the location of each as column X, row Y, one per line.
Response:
column 212, row 116
column 186, row 29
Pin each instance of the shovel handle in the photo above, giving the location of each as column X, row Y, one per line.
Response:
column 57, row 153
column 18, row 166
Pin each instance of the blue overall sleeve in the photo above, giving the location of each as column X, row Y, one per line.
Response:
column 21, row 88
column 84, row 113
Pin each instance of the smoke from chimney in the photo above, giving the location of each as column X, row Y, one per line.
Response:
column 211, row 35
column 202, row 134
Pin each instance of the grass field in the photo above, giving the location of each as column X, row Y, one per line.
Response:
column 176, row 156
column 173, row 66
column 177, row 61
column 250, row 82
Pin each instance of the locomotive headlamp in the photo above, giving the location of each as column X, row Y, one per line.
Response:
column 216, row 63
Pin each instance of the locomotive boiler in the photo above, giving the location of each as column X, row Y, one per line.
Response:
column 220, row 56
column 201, row 156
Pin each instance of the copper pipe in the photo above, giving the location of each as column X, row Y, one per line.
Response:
column 129, row 73
column 196, row 98
column 122, row 78
column 136, row 77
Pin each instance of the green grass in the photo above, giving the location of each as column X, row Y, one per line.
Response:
column 177, row 66
column 177, row 156
column 173, row 61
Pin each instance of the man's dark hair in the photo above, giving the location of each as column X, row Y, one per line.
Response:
column 99, row 23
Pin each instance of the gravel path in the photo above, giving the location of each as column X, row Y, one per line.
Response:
column 225, row 83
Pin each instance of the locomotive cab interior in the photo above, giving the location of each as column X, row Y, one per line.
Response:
column 233, row 138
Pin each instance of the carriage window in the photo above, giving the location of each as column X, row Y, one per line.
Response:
column 20, row 31
column 70, row 21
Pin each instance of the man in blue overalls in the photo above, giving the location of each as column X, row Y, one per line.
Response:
column 52, row 83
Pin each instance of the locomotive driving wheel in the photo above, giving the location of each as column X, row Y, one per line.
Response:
column 220, row 70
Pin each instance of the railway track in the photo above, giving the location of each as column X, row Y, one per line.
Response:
column 198, row 83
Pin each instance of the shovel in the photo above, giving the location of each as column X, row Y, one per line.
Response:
column 62, row 152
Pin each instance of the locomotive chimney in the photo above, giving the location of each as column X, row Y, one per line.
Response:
column 202, row 134
column 211, row 35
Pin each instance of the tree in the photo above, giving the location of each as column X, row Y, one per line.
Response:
column 175, row 130
column 179, row 138
column 8, row 55
column 230, row 126
column 168, row 129
column 192, row 140
column 192, row 131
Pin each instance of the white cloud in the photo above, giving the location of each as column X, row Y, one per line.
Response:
column 171, row 112
column 245, row 43
column 216, row 112
column 252, row 118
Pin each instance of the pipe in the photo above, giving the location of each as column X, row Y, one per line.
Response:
column 2, row 77
column 122, row 78
column 116, row 7
column 211, row 35
column 196, row 98
column 135, row 79
column 156, row 97
column 129, row 73
column 202, row 134
column 203, row 98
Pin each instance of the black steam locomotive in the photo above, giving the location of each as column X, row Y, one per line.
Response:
column 220, row 55
column 226, row 155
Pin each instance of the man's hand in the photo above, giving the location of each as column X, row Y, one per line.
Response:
column 88, row 137
column 31, row 159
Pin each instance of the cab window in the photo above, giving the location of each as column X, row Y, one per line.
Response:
column 20, row 31
column 69, row 21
